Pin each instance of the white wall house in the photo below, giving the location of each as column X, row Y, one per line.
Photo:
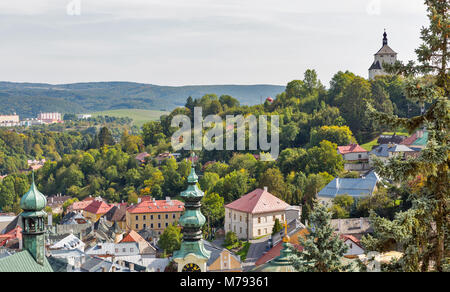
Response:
column 254, row 214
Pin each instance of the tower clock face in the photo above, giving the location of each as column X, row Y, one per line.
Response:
column 191, row 268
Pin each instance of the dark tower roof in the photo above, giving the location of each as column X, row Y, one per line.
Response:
column 385, row 40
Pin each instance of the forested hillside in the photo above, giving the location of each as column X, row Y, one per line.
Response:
column 28, row 99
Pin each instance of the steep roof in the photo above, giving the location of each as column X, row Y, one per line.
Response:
column 23, row 262
column 258, row 201
column 133, row 236
column 352, row 148
column 386, row 50
column 116, row 213
column 98, row 207
column 375, row 66
column 157, row 206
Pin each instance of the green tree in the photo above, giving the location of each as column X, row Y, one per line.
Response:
column 277, row 227
column 213, row 208
column 170, row 239
column 231, row 238
column 105, row 137
column 426, row 224
column 323, row 250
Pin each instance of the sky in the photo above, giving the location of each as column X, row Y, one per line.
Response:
column 200, row 42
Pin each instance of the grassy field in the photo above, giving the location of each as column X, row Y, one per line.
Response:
column 139, row 116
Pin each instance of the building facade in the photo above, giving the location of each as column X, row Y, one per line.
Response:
column 254, row 214
column 154, row 214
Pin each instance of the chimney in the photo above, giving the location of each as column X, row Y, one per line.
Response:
column 167, row 199
column 265, row 189
column 113, row 268
column 104, row 269
column 139, row 200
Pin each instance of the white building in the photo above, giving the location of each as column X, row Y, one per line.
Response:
column 9, row 120
column 384, row 55
column 49, row 118
column 254, row 214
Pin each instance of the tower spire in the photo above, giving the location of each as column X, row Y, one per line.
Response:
column 385, row 40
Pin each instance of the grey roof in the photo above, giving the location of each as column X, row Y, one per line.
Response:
column 386, row 50
column 375, row 66
column 352, row 226
column 215, row 252
column 293, row 226
column 355, row 187
column 384, row 149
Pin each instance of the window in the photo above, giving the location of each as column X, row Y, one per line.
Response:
column 167, row 216
column 234, row 229
column 124, row 250
column 359, row 156
column 174, row 216
column 159, row 225
column 167, row 224
column 229, row 215
column 131, row 249
column 259, row 219
column 259, row 231
column 144, row 217
column 116, row 250
column 240, row 218
column 159, row 216
column 274, row 218
column 229, row 226
column 151, row 217
column 144, row 225
column 265, row 230
column 151, row 225
column 137, row 217
column 240, row 229
column 234, row 216
column 137, row 226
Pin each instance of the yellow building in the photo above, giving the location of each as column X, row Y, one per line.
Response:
column 96, row 209
column 154, row 214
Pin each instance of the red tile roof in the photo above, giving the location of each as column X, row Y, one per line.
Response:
column 133, row 236
column 273, row 253
column 16, row 233
column 157, row 206
column 258, row 201
column 98, row 207
column 410, row 140
column 77, row 206
column 352, row 238
column 352, row 148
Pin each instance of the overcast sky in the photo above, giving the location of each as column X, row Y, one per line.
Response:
column 186, row 42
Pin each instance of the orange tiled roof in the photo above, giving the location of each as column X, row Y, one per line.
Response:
column 79, row 205
column 98, row 207
column 133, row 236
column 352, row 148
column 355, row 240
column 157, row 206
column 258, row 201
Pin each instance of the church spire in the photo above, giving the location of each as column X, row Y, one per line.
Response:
column 385, row 40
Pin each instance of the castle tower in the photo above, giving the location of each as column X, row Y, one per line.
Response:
column 33, row 204
column 192, row 256
column 384, row 55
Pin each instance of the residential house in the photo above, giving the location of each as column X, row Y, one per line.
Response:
column 354, row 246
column 68, row 243
column 117, row 214
column 154, row 214
column 355, row 187
column 254, row 214
column 145, row 248
column 141, row 157
column 355, row 157
column 96, row 209
column 384, row 152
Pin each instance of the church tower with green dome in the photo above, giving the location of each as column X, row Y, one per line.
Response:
column 192, row 256
column 33, row 204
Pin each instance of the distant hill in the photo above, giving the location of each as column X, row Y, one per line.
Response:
column 28, row 99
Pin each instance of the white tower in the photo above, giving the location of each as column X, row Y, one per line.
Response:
column 384, row 55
